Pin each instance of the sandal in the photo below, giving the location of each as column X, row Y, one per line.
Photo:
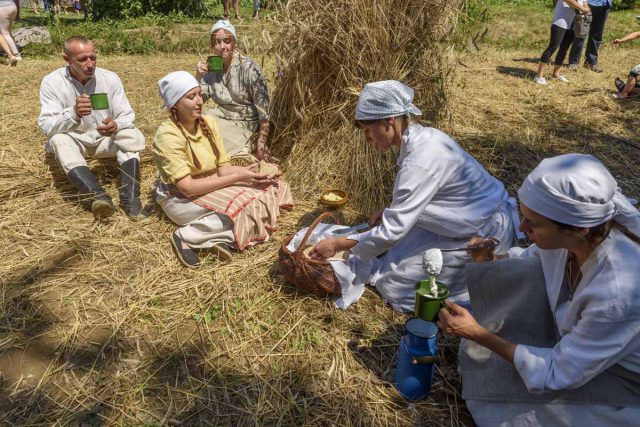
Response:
column 221, row 252
column 187, row 256
column 619, row 84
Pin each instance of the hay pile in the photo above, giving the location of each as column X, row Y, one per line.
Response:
column 327, row 51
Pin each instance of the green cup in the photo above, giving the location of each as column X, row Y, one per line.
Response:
column 99, row 101
column 426, row 306
column 214, row 63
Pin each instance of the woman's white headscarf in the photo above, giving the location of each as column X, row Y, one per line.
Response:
column 174, row 86
column 388, row 98
column 576, row 189
column 224, row 24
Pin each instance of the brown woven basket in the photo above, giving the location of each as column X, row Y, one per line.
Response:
column 309, row 275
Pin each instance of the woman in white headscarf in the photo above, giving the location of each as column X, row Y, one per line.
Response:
column 441, row 198
column 217, row 206
column 571, row 208
column 240, row 93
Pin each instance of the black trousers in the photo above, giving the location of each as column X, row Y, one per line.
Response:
column 600, row 14
column 561, row 39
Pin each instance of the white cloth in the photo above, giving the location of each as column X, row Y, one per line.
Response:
column 387, row 98
column 439, row 187
column 58, row 93
column 198, row 227
column 599, row 327
column 224, row 24
column 576, row 189
column 442, row 197
column 174, row 86
column 72, row 152
column 564, row 14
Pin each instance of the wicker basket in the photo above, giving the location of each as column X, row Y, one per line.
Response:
column 306, row 274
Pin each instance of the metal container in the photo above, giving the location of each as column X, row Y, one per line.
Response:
column 214, row 63
column 426, row 306
column 416, row 356
column 99, row 101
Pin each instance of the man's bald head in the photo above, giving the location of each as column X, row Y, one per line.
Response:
column 80, row 54
column 71, row 43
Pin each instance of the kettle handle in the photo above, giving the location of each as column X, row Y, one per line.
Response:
column 423, row 360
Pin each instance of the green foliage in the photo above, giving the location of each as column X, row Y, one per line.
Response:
column 118, row 9
column 623, row 4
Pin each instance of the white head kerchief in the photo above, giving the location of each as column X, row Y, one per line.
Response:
column 576, row 189
column 174, row 86
column 224, row 25
column 388, row 98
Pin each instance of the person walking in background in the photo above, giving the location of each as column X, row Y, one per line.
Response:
column 8, row 13
column 632, row 86
column 227, row 11
column 600, row 12
column 256, row 9
column 5, row 47
column 561, row 37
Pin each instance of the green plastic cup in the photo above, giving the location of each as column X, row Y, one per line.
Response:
column 426, row 306
column 99, row 101
column 214, row 63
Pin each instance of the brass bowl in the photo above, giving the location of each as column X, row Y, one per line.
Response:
column 327, row 202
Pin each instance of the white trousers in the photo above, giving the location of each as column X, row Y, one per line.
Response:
column 72, row 149
column 198, row 227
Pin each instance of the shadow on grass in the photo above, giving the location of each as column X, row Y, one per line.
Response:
column 523, row 73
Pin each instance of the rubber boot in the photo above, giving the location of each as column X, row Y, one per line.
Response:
column 87, row 184
column 130, row 188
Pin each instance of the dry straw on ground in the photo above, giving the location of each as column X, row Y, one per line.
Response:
column 327, row 51
column 101, row 325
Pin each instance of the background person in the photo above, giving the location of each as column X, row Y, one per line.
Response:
column 561, row 37
column 227, row 11
column 441, row 198
column 241, row 96
column 216, row 206
column 570, row 204
column 8, row 13
column 76, row 131
column 7, row 50
column 600, row 12
column 632, row 86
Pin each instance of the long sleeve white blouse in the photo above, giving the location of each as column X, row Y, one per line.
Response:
column 58, row 93
column 439, row 187
column 599, row 326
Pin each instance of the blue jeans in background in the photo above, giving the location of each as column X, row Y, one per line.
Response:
column 600, row 14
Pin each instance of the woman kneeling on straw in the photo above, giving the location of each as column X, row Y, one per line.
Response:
column 442, row 197
column 591, row 282
column 217, row 206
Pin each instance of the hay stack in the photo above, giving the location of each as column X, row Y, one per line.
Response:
column 328, row 51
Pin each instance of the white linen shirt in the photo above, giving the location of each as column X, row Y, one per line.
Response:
column 599, row 327
column 58, row 93
column 439, row 187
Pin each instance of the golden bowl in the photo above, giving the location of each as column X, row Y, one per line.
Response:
column 334, row 197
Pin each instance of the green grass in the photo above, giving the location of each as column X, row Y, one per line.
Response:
column 520, row 26
column 146, row 35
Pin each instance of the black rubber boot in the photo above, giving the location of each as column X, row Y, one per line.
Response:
column 130, row 188
column 87, row 184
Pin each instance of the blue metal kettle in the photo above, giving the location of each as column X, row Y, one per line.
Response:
column 416, row 356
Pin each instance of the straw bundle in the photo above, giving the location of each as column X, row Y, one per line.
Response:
column 337, row 48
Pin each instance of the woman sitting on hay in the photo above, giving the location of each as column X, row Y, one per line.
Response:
column 585, row 274
column 442, row 197
column 216, row 206
column 240, row 92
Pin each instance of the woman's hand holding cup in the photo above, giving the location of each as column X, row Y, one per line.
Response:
column 201, row 68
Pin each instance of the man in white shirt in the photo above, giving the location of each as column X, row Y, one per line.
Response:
column 77, row 131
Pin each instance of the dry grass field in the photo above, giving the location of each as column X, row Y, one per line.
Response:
column 101, row 325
